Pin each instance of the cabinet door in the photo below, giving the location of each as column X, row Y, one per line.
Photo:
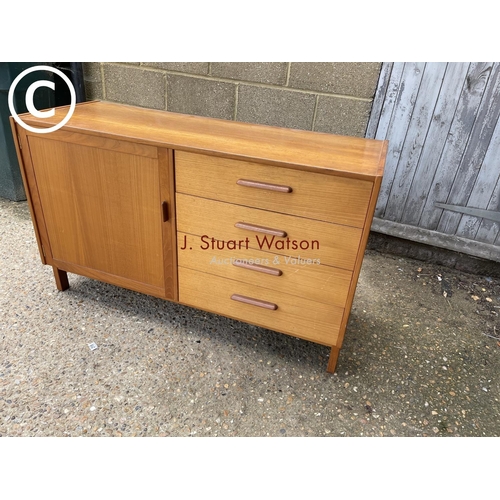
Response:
column 102, row 203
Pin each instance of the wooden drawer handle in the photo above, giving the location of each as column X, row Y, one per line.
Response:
column 264, row 185
column 254, row 302
column 258, row 267
column 261, row 229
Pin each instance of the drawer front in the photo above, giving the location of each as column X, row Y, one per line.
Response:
column 295, row 316
column 330, row 244
column 307, row 194
column 284, row 274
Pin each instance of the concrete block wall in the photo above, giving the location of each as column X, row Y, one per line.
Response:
column 325, row 97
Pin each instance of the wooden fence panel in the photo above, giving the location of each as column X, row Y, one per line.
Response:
column 477, row 145
column 485, row 194
column 442, row 123
column 414, row 141
column 434, row 144
column 398, row 126
column 455, row 147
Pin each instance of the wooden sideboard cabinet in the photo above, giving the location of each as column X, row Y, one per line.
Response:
column 261, row 224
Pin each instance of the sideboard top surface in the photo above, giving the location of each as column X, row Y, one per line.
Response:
column 328, row 153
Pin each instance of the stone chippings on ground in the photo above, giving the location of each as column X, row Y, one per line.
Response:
column 414, row 363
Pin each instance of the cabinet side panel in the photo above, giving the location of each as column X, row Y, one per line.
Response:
column 23, row 156
column 102, row 209
column 359, row 259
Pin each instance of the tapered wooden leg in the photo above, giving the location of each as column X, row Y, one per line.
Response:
column 332, row 361
column 61, row 277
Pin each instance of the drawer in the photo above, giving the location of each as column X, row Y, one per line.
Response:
column 295, row 316
column 330, row 244
column 284, row 274
column 313, row 195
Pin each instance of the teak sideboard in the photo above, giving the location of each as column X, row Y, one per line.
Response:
column 262, row 224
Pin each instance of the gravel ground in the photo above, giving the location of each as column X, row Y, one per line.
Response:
column 421, row 357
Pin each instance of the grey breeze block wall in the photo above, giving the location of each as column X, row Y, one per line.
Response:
column 325, row 97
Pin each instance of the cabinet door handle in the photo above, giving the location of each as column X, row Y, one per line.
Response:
column 254, row 302
column 164, row 208
column 264, row 185
column 258, row 267
column 261, row 229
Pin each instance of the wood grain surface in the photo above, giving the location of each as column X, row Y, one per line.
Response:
column 315, row 196
column 338, row 245
column 102, row 209
column 328, row 153
column 295, row 316
column 311, row 281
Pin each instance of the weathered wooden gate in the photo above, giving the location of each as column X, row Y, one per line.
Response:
column 442, row 178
